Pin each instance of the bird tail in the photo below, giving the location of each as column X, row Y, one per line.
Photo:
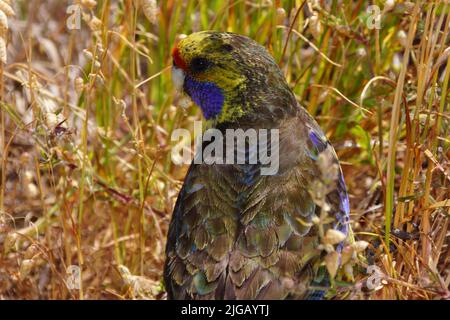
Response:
column 319, row 286
column 315, row 295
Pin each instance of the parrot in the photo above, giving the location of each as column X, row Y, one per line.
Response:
column 236, row 233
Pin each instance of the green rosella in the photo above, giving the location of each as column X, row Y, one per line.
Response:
column 236, row 233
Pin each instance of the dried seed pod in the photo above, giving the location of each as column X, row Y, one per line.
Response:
column 32, row 251
column 97, row 79
column 281, row 15
column 334, row 236
column 97, row 64
column 142, row 288
column 3, row 57
column 184, row 102
column 31, row 191
column 402, row 38
column 95, row 24
column 348, row 271
column 315, row 26
column 26, row 266
column 3, row 20
column 180, row 37
column 347, row 254
column 88, row 54
column 4, row 227
column 51, row 120
column 79, row 85
column 389, row 5
column 10, row 242
column 360, row 246
column 332, row 263
column 25, row 158
column 90, row 4
column 150, row 8
column 6, row 8
column 315, row 219
column 361, row 52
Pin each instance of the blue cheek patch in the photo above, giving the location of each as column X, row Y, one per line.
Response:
column 206, row 95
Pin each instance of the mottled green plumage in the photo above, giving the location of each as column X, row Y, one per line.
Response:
column 237, row 234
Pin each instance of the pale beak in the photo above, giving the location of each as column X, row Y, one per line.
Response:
column 178, row 78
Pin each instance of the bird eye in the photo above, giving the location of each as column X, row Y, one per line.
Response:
column 199, row 64
column 227, row 47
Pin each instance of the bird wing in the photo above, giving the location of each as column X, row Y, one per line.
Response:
column 201, row 233
column 236, row 234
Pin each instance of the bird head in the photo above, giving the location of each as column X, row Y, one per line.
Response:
column 229, row 76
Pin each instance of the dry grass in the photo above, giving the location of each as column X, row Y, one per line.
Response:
column 86, row 174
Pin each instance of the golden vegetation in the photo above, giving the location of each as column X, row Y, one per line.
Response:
column 87, row 184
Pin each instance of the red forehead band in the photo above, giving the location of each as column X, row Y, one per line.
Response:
column 177, row 60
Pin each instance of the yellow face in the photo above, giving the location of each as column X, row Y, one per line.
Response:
column 227, row 75
column 208, row 56
column 209, row 63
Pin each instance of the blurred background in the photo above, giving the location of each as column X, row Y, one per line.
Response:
column 87, row 109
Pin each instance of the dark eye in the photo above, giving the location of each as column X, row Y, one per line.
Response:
column 227, row 47
column 199, row 64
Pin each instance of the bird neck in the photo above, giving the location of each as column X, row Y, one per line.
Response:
column 256, row 107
